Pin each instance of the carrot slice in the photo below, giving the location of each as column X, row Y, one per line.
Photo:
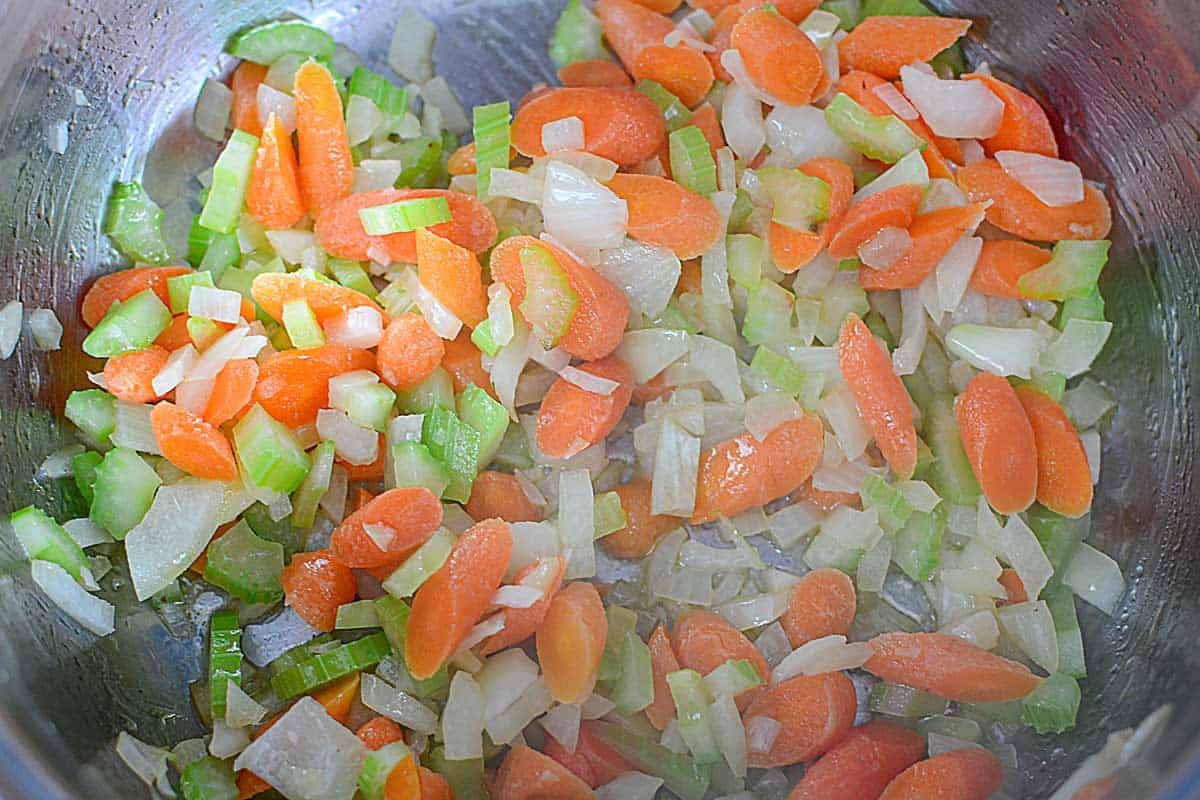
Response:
column 720, row 38
column 315, row 584
column 816, row 712
column 660, row 6
column 367, row 472
column 379, row 732
column 780, row 59
column 453, row 599
column 464, row 362
column 412, row 513
column 409, row 351
column 621, row 125
column 433, row 786
column 1017, row 210
column 293, row 385
column 705, row 118
column 862, row 764
column 129, row 376
column 662, row 662
column 1064, row 479
column 999, row 442
column 232, row 391
column 273, row 196
column 339, row 696
column 681, row 70
column 1001, row 264
column 572, row 419
column 642, row 528
column 742, row 473
column 663, row 213
column 593, row 761
column 823, row 603
column 120, row 286
column 629, row 27
column 968, row 774
column 526, row 774
column 949, row 667
column 462, row 161
column 793, row 249
column 452, row 274
column 326, row 167
column 244, row 85
column 1014, row 587
column 880, row 395
column 191, row 444
column 933, row 234
column 521, row 623
column 826, row 500
column 498, row 494
column 1024, row 125
column 704, row 641
column 570, row 642
column 895, row 207
column 594, row 73
column 340, row 231
column 327, row 300
column 882, row 45
column 176, row 334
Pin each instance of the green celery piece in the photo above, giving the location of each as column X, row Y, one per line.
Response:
column 1060, row 598
column 1090, row 307
column 673, row 319
column 134, row 222
column 950, row 474
column 918, row 545
column 891, row 504
column 413, row 465
column 224, row 659
column 620, row 622
column 293, row 539
column 231, row 175
column 958, row 727
column 826, row 551
column 744, row 253
column 924, row 460
column 743, row 207
column 1071, row 272
column 208, row 779
column 674, row 111
column 404, row 215
column 921, row 392
column 1052, row 706
column 436, row 391
column 783, row 373
column 299, row 653
column 132, row 325
column 422, row 160
column 267, row 43
column 416, row 569
column 577, row 36
column 493, row 138
column 371, row 405
column 681, row 775
column 692, row 163
column 466, row 776
column 950, row 60
column 482, row 338
column 799, row 201
column 882, row 138
column 1051, row 384
column 768, row 314
column 455, row 444
column 846, row 11
column 514, row 449
column 352, row 275
column 83, row 467
column 246, row 566
column 1058, row 535
column 213, row 252
column 378, row 765
column 123, row 491
column 359, row 614
column 896, row 700
column 692, row 699
column 203, row 331
column 387, row 97
column 607, row 514
column 327, row 667
column 316, row 483
column 878, row 326
column 268, row 452
column 236, row 279
column 849, row 265
column 301, row 325
column 634, row 690
column 837, row 301
column 94, row 411
column 1009, row 711
column 179, row 288
column 896, row 8
column 482, row 412
column 733, row 677
column 45, row 540
column 550, row 301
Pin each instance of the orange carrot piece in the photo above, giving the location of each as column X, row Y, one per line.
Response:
column 129, row 376
column 704, row 641
column 1014, row 587
column 433, row 786
column 1024, row 125
column 933, row 234
column 1017, row 210
column 176, row 334
column 293, row 385
column 895, row 207
column 823, row 603
column 629, row 27
column 526, row 774
column 681, row 70
column 327, row 300
column 1064, row 479
column 840, row 178
column 949, row 667
column 642, row 528
column 593, row 761
column 326, row 167
column 720, row 38
column 120, row 286
column 232, row 392
column 882, row 45
column 570, row 642
column 816, row 712
column 825, row 500
column 244, row 85
column 452, row 274
column 379, row 732
column 1001, row 264
column 249, row 784
column 968, row 774
column 793, row 249
column 594, row 73
column 621, row 125
column 779, row 57
column 273, row 196
column 499, row 494
column 521, row 623
column 315, row 584
column 453, row 599
column 662, row 663
column 339, row 696
column 1099, row 789
column 409, row 351
column 599, row 321
column 572, row 419
column 999, row 442
column 705, row 118
column 664, row 213
column 462, row 161
column 862, row 764
column 464, row 362
column 660, row 6
column 742, row 473
column 191, row 444
column 412, row 512
column 880, row 395
column 690, row 278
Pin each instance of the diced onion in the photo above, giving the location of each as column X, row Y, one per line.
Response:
column 576, row 523
column 360, row 327
column 488, row 627
column 972, row 151
column 1074, row 351
column 381, row 535
column 596, row 706
column 587, row 381
column 630, row 786
column 291, row 245
column 563, row 134
column 91, row 612
column 731, row 59
column 761, row 733
column 1091, row 448
column 910, row 170
column 149, row 763
column 354, row 443
column 383, row 698
column 171, row 375
column 914, row 332
column 10, row 327
column 755, row 611
column 213, row 107
column 897, row 102
column 437, row 93
column 768, row 411
column 562, row 722
column 58, row 464
column 219, row 305
column 794, row 522
column 272, row 101
column 362, row 118
column 742, row 121
column 801, row 133
column 532, row 703
column 649, row 351
column 133, row 428
column 1053, row 181
column 955, row 269
column 46, row 329
column 955, row 109
column 645, row 273
column 980, row 629
column 580, row 211
column 1003, row 351
column 227, row 741
column 885, row 247
column 1031, row 627
column 841, row 410
column 219, row 353
column 175, row 530
column 373, row 174
column 827, row 654
column 516, row 596
column 1096, row 578
column 193, row 395
column 86, row 533
column 514, row 184
column 241, row 709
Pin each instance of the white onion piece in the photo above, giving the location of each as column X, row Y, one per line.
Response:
column 373, row 174
column 587, row 381
column 383, row 698
column 360, row 327
column 439, row 317
column 272, row 101
column 841, row 410
column 884, row 248
column 688, row 37
column 955, row 269
column 972, row 151
column 227, row 741
column 290, row 245
column 914, row 332
column 10, row 327
column 729, row 732
column 563, row 134
column 514, row 184
column 754, row 611
column 241, row 709
column 354, row 443
column 630, row 786
column 649, row 351
column 508, row 724
column 742, row 121
column 91, row 612
column 503, row 679
column 801, row 133
column 676, row 461
column 437, row 93
column 1031, row 627
column 193, row 395
column 59, row 463
column 1091, row 449
column 171, row 375
column 381, row 535
column 411, row 51
column 133, row 428
column 86, row 533
column 516, row 596
column 362, row 118
column 219, row 305
column 149, row 763
column 488, row 627
column 1074, row 351
column 46, row 329
column 213, row 107
column 172, row 534
column 508, row 365
column 1053, row 181
column 827, row 654
column 1003, row 351
column 761, row 733
column 596, row 706
column 792, row 523
column 1021, row 548
column 562, row 722
column 554, row 359
column 219, row 353
column 955, row 109
column 1096, row 578
column 576, row 523
column 580, row 211
column 250, row 347
column 645, row 273
column 980, row 629
column 897, row 102
column 910, row 170
column 766, row 412
column 405, row 428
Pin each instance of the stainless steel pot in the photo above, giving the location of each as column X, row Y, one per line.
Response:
column 1121, row 74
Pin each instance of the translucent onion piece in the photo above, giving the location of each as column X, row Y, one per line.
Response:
column 503, row 679
column 149, row 763
column 645, row 273
column 980, row 629
column 516, row 596
column 800, row 133
column 1096, row 578
column 227, row 741
column 1003, row 351
column 580, row 211
column 241, row 709
column 841, row 411
column 10, row 327
column 514, row 184
column 562, row 722
column 354, row 443
column 630, row 786
column 649, row 351
column 896, row 101
column 383, row 698
column 213, row 107
column 1053, row 181
column 731, row 59
column 46, row 329
column 955, row 269
column 957, row 109
column 563, row 134
column 756, row 611
column 440, row 318
column 360, row 327
column 219, row 305
column 133, row 429
column 884, row 248
column 87, row 533
column 1031, row 627
column 766, row 412
column 587, row 381
column 272, row 101
column 1073, row 353
column 827, row 654
column 362, row 118
column 172, row 534
column 508, row 724
column 914, row 333
column 373, row 174
column 761, row 733
column 742, row 121
column 179, row 363
column 91, row 612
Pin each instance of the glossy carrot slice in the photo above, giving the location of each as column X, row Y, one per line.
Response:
column 244, row 85
column 570, row 642
column 1064, row 479
column 409, row 351
column 681, row 70
column 453, row 599
column 433, row 786
column 129, row 376
column 823, row 603
column 792, row 248
column 293, row 385
column 1017, row 210
column 412, row 513
column 273, row 196
column 594, row 762
column 379, row 732
column 1024, row 125
column 629, row 27
column 949, row 667
column 521, row 623
column 452, row 274
column 594, row 73
column 462, row 161
column 191, row 444
column 999, row 442
column 464, row 362
column 705, row 118
column 663, row 662
column 326, row 168
column 232, row 392
column 1013, row 586
column 621, row 125
column 664, row 213
column 599, row 321
column 880, row 395
column 780, row 58
column 499, row 494
column 826, row 500
column 176, row 334
column 862, row 764
column 840, row 178
column 816, row 712
column 721, row 37
column 704, row 641
column 315, row 584
column 895, row 207
column 120, row 286
column 526, row 774
column 882, row 45
column 1001, row 264
column 933, row 234
column 642, row 528
column 327, row 300
column 661, row 6
column 742, row 473
column 339, row 696
column 968, row 774
column 571, row 418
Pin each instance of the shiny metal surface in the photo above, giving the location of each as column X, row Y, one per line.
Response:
column 1121, row 74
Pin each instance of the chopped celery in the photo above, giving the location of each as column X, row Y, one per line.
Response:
column 179, row 289
column 744, row 253
column 132, row 325
column 464, row 776
column 301, row 325
column 46, row 540
column 387, row 97
column 1058, row 535
column 491, row 125
column 231, row 175
column 352, row 275
column 1052, row 384
column 134, row 223
column 882, row 138
column 634, row 689
column 208, row 778
column 482, row 338
column 673, row 319
column 455, row 444
column 327, row 667
column 878, row 326
column 680, row 774
column 783, row 373
column 210, row 251
column 1071, row 272
column 674, row 111
column 1052, row 706
column 292, row 657
column 373, row 779
column 224, row 659
column 94, row 411
column 897, row 700
column 482, row 412
column 258, row 517
column 768, row 314
column 315, row 485
column 692, row 163
column 620, row 622
column 1060, row 599
column 268, row 452
column 918, row 545
column 404, row 215
column 267, row 43
column 733, row 677
column 837, row 301
column 435, row 391
column 924, row 460
column 798, row 201
column 692, row 699
column 743, row 207
column 577, row 36
column 413, row 465
column 607, row 514
column 890, row 503
column 1090, row 307
column 203, row 332
column 359, row 614
column 958, row 727
column 83, row 468
column 416, row 569
column 550, row 300
column 895, row 8
column 245, row 565
column 369, row 404
column 123, row 491
column 950, row 474
column 422, row 161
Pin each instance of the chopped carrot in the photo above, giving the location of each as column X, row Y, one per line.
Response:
column 823, row 603
column 409, row 351
column 894, row 207
column 880, row 395
column 840, row 179
column 721, row 37
column 664, row 213
column 660, row 6
column 412, row 513
column 794, row 10
column 315, row 584
column 120, row 286
column 129, row 376
column 404, row 781
column 326, row 167
column 816, row 712
column 464, row 362
column 999, row 442
column 521, row 623
column 244, row 85
column 340, row 231
column 1024, row 125
column 361, row 498
column 642, row 528
column 593, row 761
column 499, row 494
column 433, row 786
column 273, row 196
column 1001, row 264
column 933, row 234
column 690, row 279
column 793, row 249
column 191, row 444
column 339, row 696
column 971, row 773
column 705, row 118
column 293, row 385
column 327, row 300
column 662, row 663
column 779, row 57
column 462, row 161
column 379, row 732
column 526, row 774
column 1064, row 479
column 594, row 73
column 1014, row 588
column 232, row 392
column 1017, row 210
column 453, row 599
column 249, row 784
column 862, row 764
column 949, row 667
column 681, row 70
column 826, row 500
column 570, row 642
column 704, row 641
column 176, row 334
column 882, row 45
column 452, row 274
column 599, row 321
column 629, row 27
column 572, row 419
column 621, row 125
